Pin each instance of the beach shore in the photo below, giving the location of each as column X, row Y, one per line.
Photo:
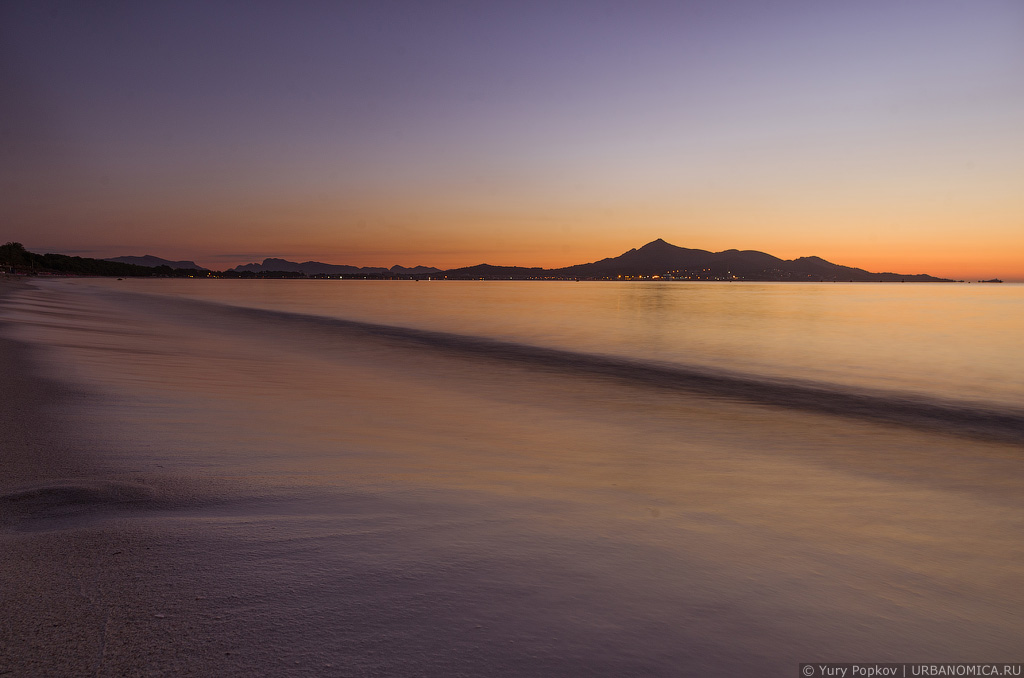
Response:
column 50, row 625
column 41, row 607
column 35, row 446
column 80, row 594
column 195, row 491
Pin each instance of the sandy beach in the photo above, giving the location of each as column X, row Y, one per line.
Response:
column 193, row 490
column 59, row 586
column 83, row 593
column 87, row 589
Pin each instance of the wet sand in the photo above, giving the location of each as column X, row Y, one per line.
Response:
column 88, row 589
column 600, row 531
column 53, row 609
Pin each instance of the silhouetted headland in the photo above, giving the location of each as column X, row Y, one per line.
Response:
column 657, row 260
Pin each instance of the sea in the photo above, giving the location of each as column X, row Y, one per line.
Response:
column 527, row 478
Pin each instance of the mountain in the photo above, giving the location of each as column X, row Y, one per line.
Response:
column 489, row 271
column 414, row 270
column 319, row 268
column 659, row 258
column 307, row 268
column 152, row 262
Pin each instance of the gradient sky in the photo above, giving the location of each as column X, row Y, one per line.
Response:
column 885, row 135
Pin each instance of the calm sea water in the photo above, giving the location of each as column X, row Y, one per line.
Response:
column 960, row 342
column 460, row 478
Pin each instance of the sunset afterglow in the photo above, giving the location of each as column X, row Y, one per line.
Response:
column 881, row 135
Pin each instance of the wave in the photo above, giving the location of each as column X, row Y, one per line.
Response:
column 991, row 422
column 55, row 505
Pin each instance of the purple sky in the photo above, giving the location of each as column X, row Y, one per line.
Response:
column 872, row 133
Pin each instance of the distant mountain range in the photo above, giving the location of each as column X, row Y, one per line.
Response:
column 655, row 260
column 318, row 268
column 659, row 259
column 152, row 262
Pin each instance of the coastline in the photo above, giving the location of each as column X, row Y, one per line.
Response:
column 39, row 613
column 48, row 626
column 88, row 586
column 421, row 516
column 37, row 446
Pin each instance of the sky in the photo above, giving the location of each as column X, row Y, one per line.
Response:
column 887, row 135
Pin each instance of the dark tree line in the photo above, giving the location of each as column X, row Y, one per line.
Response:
column 14, row 255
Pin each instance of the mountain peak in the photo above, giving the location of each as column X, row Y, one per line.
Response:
column 656, row 243
column 659, row 259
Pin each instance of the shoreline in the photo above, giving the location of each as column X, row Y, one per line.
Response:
column 184, row 507
column 46, row 627
column 90, row 584
column 36, row 446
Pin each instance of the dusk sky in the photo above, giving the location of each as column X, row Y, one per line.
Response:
column 885, row 135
